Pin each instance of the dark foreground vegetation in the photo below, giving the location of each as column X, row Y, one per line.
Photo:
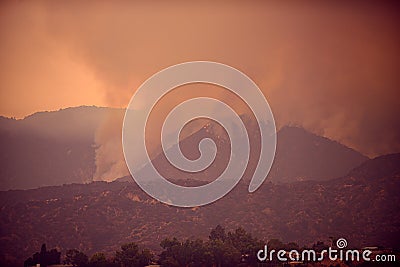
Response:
column 237, row 248
column 233, row 248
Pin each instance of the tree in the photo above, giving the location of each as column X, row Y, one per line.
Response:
column 218, row 233
column 29, row 262
column 246, row 244
column 53, row 257
column 236, row 248
column 187, row 253
column 98, row 260
column 201, row 254
column 224, row 253
column 44, row 257
column 145, row 257
column 130, row 256
column 168, row 257
column 76, row 258
column 275, row 244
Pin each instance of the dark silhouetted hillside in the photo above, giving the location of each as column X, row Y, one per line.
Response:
column 49, row 148
column 60, row 147
column 301, row 155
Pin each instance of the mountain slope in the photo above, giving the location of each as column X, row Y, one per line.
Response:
column 386, row 165
column 50, row 148
column 100, row 216
column 300, row 155
column 77, row 145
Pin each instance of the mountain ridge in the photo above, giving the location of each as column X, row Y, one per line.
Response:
column 84, row 144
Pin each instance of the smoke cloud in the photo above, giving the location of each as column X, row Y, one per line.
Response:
column 332, row 68
column 110, row 163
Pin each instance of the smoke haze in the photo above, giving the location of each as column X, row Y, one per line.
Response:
column 332, row 68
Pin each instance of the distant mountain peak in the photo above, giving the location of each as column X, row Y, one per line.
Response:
column 303, row 155
column 386, row 165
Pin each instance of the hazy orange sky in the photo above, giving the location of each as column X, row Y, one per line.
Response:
column 330, row 67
